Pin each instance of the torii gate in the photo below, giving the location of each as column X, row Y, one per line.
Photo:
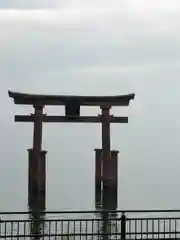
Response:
column 37, row 176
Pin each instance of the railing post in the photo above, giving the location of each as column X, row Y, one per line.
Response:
column 123, row 226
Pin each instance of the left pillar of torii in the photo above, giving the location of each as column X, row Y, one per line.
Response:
column 36, row 191
column 37, row 162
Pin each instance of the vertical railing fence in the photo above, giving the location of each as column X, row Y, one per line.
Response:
column 85, row 225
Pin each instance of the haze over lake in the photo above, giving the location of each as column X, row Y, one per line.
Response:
column 93, row 48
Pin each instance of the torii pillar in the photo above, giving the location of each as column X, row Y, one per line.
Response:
column 37, row 162
column 36, row 192
column 112, row 197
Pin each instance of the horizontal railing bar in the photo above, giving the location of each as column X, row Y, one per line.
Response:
column 79, row 234
column 91, row 220
column 81, row 119
column 153, row 238
column 152, row 218
column 150, row 233
column 59, row 234
column 150, row 211
column 86, row 212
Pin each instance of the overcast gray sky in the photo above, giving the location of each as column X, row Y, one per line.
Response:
column 94, row 47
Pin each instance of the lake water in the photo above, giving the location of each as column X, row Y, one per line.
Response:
column 148, row 175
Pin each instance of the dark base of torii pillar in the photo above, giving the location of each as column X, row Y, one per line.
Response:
column 37, row 193
column 112, row 188
column 98, row 183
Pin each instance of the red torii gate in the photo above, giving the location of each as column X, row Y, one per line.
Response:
column 37, row 177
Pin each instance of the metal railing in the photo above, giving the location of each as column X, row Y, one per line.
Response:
column 91, row 225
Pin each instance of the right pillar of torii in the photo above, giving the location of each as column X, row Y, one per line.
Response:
column 112, row 200
column 106, row 172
